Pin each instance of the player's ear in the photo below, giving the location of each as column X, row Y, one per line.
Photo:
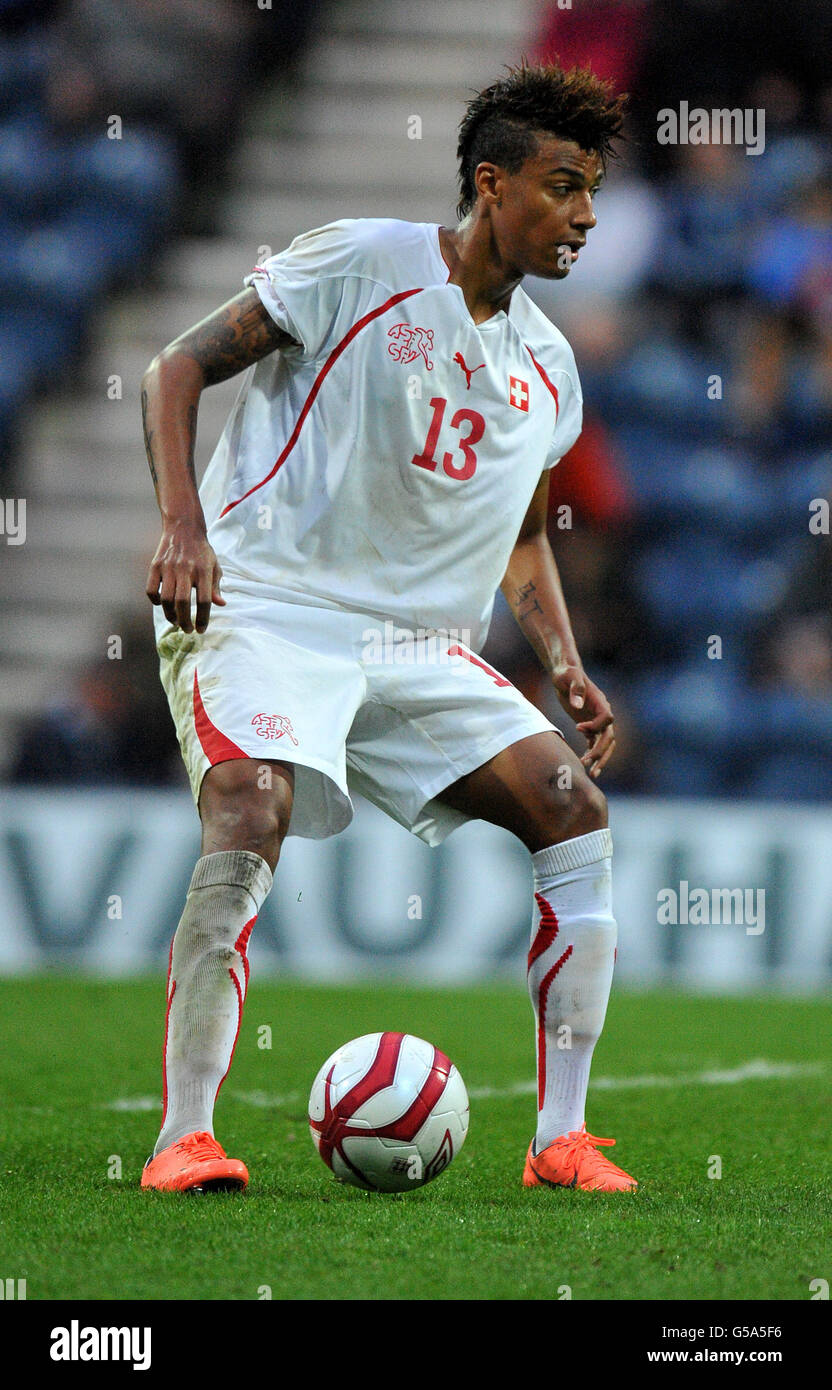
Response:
column 488, row 180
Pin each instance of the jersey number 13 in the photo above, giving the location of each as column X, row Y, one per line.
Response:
column 467, row 467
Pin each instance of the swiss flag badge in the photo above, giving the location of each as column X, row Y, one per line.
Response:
column 518, row 392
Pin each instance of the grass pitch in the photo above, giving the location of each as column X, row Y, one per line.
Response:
column 672, row 1083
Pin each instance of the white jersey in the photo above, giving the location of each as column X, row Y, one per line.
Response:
column 385, row 464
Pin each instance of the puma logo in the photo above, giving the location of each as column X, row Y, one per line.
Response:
column 469, row 371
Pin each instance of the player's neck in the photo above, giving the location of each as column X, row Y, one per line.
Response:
column 472, row 259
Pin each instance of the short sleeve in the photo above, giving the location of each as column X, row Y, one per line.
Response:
column 569, row 419
column 313, row 286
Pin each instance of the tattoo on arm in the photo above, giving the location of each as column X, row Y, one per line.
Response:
column 526, row 602
column 148, row 439
column 225, row 343
column 231, row 339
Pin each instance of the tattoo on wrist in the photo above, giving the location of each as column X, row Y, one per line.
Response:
column 526, row 602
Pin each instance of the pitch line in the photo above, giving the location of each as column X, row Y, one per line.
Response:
column 261, row 1100
column 758, row 1070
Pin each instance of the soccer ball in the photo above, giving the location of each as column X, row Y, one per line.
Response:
column 388, row 1112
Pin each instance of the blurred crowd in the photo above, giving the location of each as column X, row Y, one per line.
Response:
column 116, row 123
column 110, row 725
column 701, row 318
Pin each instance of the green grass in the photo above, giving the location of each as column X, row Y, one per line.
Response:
column 69, row 1048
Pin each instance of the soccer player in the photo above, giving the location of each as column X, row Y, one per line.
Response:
column 387, row 462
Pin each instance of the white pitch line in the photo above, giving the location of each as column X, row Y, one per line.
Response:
column 262, row 1101
column 758, row 1070
column 129, row 1104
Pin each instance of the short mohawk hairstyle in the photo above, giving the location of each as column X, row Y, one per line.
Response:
column 501, row 122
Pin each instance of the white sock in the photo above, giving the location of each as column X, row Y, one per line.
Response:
column 571, row 962
column 207, row 981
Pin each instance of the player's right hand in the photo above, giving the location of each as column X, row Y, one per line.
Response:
column 184, row 562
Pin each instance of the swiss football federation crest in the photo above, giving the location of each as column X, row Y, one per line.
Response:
column 518, row 392
column 273, row 726
column 410, row 342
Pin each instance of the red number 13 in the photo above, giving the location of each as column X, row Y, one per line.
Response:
column 463, row 470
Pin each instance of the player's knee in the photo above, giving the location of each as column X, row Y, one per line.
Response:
column 572, row 811
column 243, row 808
column 249, row 821
column 589, row 807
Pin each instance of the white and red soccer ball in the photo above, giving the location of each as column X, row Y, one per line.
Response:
column 388, row 1112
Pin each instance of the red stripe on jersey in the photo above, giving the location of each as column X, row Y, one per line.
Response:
column 216, row 747
column 550, row 386
column 316, row 386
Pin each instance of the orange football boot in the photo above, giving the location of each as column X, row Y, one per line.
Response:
column 195, row 1163
column 571, row 1160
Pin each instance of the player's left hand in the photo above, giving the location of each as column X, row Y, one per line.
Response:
column 582, row 699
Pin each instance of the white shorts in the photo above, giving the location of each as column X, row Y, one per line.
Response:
column 350, row 705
